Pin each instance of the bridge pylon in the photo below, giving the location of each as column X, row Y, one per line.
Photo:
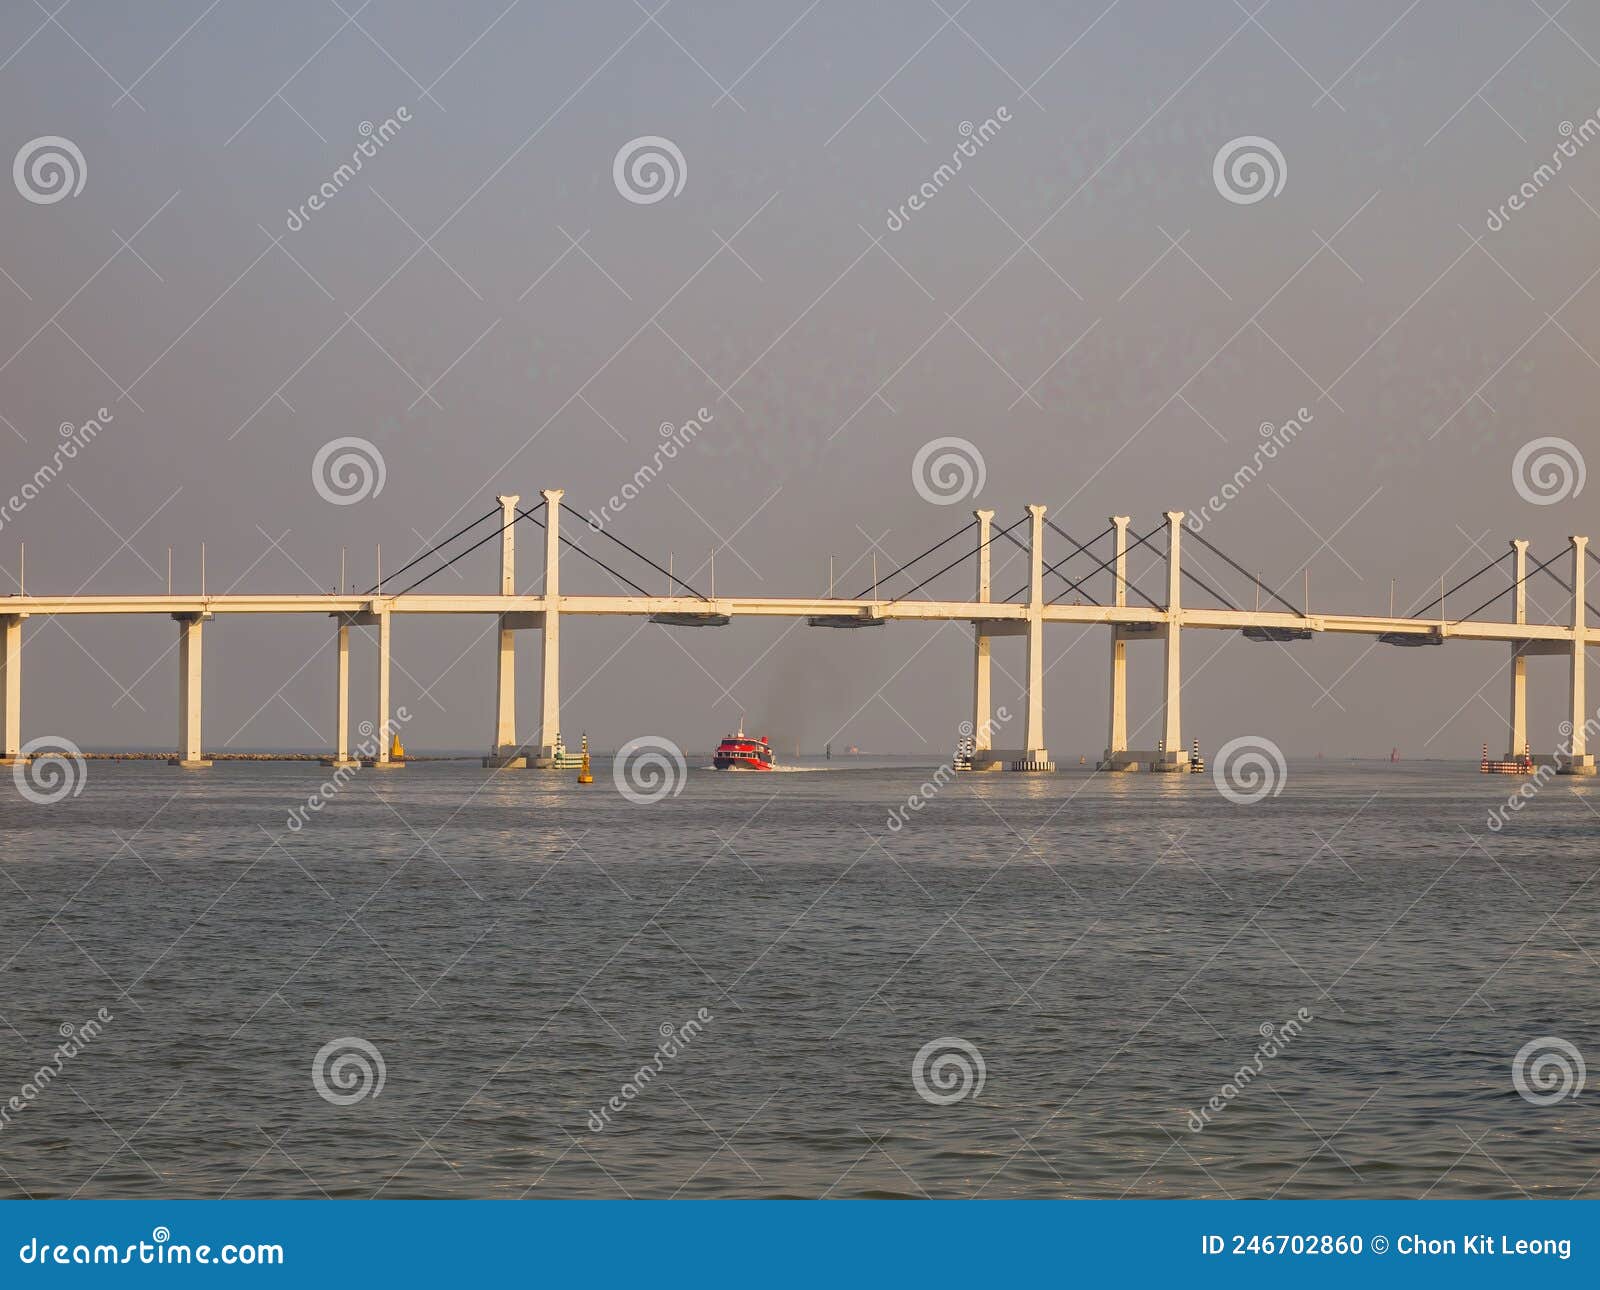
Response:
column 1577, row 759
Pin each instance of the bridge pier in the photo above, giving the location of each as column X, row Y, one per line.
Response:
column 982, row 700
column 1036, row 757
column 550, row 644
column 190, row 673
column 504, row 751
column 341, row 697
column 1577, row 760
column 1174, row 756
column 1117, row 732
column 381, row 759
column 1517, row 733
column 11, row 690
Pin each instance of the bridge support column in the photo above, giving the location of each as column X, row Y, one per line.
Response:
column 1036, row 756
column 1117, row 727
column 190, row 672
column 381, row 759
column 11, row 690
column 504, row 751
column 550, row 651
column 1174, row 756
column 1517, row 732
column 982, row 696
column 341, row 698
column 1577, row 760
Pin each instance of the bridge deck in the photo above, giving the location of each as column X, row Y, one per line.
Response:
column 779, row 607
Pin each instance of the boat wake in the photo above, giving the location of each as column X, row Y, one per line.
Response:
column 781, row 770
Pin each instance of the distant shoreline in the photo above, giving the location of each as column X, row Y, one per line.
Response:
column 261, row 756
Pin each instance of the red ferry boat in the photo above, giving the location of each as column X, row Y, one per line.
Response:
column 741, row 752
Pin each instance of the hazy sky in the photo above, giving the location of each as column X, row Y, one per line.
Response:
column 1035, row 306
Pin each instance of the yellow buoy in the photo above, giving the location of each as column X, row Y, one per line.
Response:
column 584, row 777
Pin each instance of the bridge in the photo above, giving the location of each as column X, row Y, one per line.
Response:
column 1023, row 614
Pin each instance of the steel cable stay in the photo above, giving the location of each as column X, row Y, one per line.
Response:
column 1442, row 596
column 1562, row 582
column 1132, row 547
column 1209, row 590
column 1239, row 568
column 872, row 591
column 593, row 559
column 1079, row 548
column 1106, row 564
column 1055, row 569
column 1005, row 532
column 1193, row 577
column 469, row 550
column 437, row 546
column 1018, row 543
column 1513, row 587
column 607, row 533
column 1082, row 548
